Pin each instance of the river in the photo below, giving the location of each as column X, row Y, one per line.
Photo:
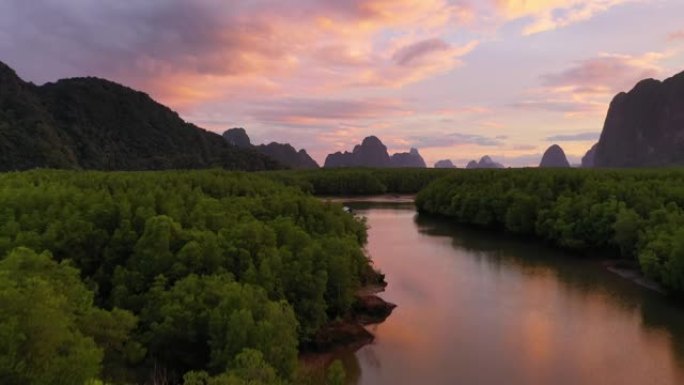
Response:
column 482, row 308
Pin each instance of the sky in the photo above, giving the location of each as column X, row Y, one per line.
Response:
column 458, row 79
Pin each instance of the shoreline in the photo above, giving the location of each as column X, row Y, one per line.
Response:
column 349, row 334
column 350, row 331
column 629, row 271
column 382, row 198
column 625, row 269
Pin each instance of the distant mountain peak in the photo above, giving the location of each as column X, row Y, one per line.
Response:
column 370, row 153
column 281, row 152
column 372, row 141
column 645, row 126
column 373, row 153
column 445, row 163
column 288, row 155
column 237, row 137
column 554, row 157
column 485, row 162
column 411, row 159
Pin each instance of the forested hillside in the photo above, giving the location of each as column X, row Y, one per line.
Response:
column 148, row 276
column 90, row 123
column 637, row 214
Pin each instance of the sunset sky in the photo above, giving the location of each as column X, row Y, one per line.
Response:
column 457, row 79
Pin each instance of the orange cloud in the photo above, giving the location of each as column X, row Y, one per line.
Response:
column 275, row 49
column 548, row 15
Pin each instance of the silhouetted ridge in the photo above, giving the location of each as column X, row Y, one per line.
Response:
column 370, row 153
column 288, row 155
column 588, row 158
column 645, row 127
column 7, row 75
column 485, row 162
column 238, row 137
column 281, row 152
column 411, row 159
column 373, row 153
column 93, row 123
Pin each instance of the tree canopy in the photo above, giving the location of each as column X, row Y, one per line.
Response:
column 636, row 214
column 200, row 271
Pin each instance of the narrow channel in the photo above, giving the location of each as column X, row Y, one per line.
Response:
column 482, row 308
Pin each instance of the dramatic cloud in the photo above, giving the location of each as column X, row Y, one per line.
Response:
column 578, row 137
column 170, row 47
column 323, row 74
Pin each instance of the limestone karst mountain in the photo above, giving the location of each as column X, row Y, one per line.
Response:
column 411, row 159
column 485, row 162
column 238, row 137
column 373, row 153
column 370, row 153
column 445, row 163
column 284, row 153
column 554, row 157
column 588, row 158
column 645, row 126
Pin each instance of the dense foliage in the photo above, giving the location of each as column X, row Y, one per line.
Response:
column 634, row 213
column 90, row 123
column 359, row 181
column 210, row 275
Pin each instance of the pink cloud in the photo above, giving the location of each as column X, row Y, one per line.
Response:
column 326, row 73
column 586, row 87
column 676, row 35
column 414, row 52
column 454, row 139
column 322, row 47
column 606, row 73
column 173, row 48
column 321, row 113
column 463, row 111
column 412, row 63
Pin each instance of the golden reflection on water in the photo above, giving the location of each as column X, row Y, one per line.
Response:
column 476, row 309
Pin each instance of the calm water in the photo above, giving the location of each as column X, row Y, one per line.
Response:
column 478, row 308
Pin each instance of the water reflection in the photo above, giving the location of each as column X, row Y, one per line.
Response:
column 477, row 308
